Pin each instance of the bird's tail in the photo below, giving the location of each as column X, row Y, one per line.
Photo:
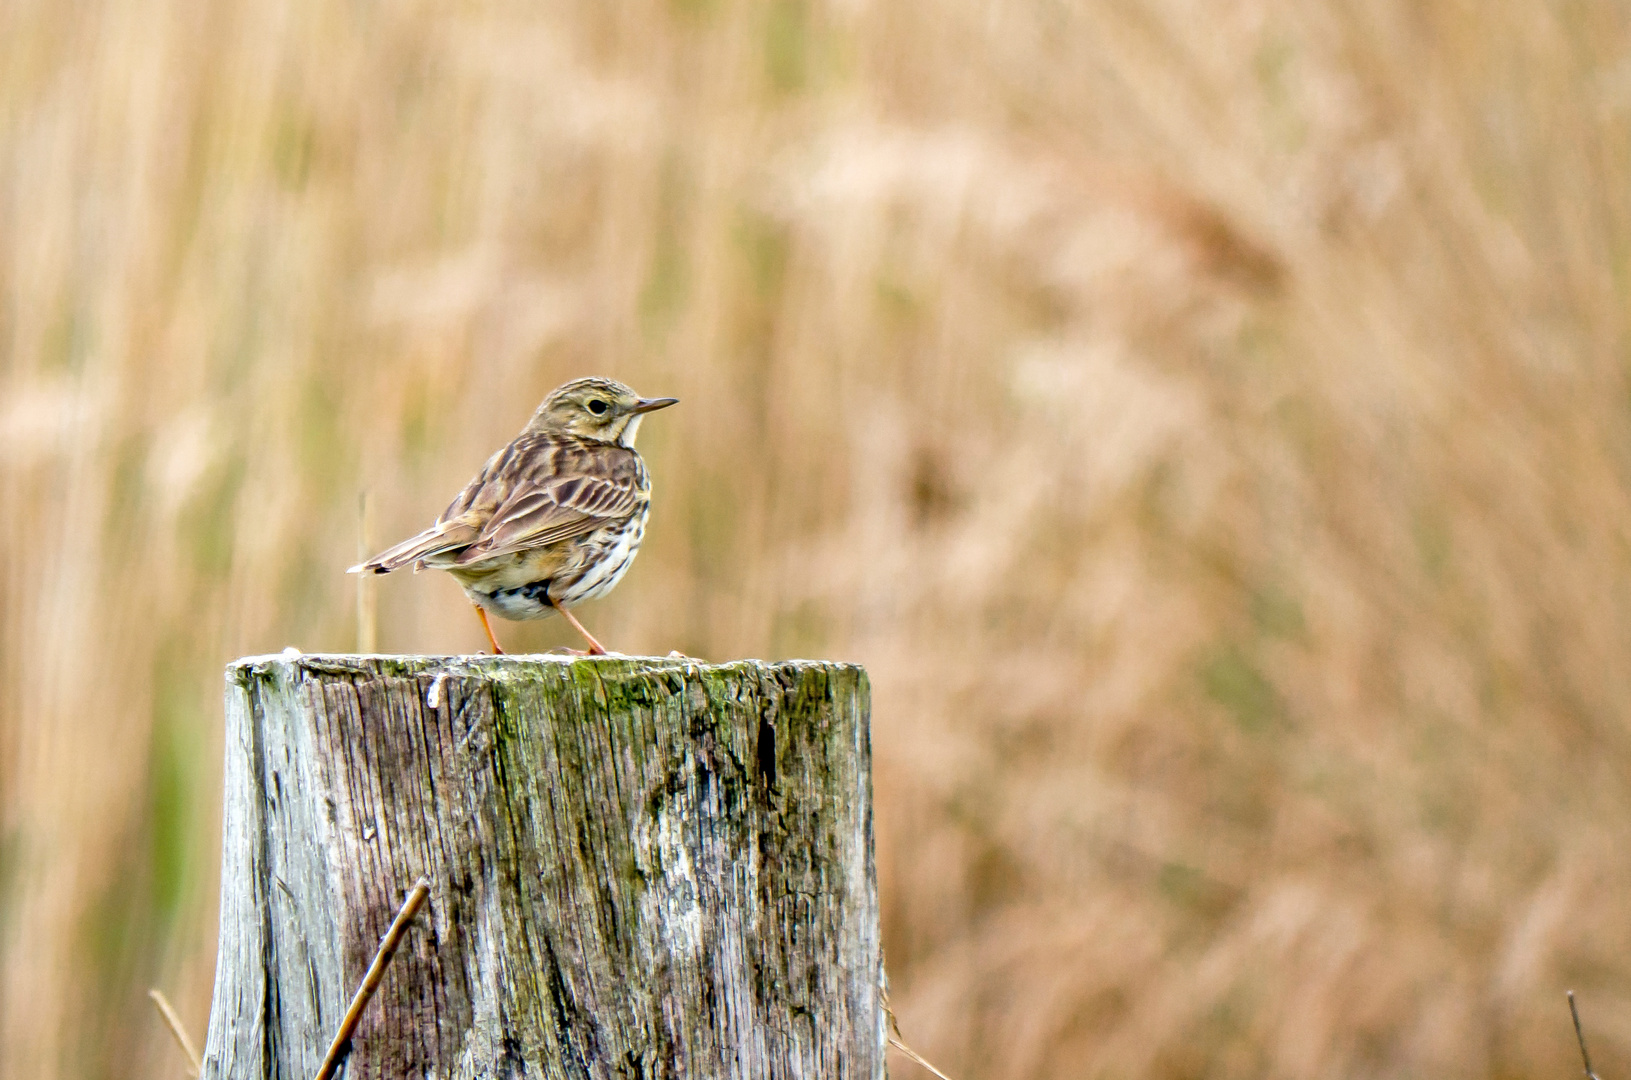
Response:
column 441, row 538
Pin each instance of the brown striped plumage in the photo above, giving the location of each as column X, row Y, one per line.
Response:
column 553, row 519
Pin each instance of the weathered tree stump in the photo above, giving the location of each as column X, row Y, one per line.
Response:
column 638, row 868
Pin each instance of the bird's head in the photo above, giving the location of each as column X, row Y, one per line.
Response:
column 595, row 408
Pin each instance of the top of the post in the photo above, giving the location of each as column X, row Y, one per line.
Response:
column 524, row 666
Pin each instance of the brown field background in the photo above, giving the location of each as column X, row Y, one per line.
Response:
column 1209, row 423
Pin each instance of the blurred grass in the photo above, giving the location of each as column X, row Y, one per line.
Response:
column 1210, row 425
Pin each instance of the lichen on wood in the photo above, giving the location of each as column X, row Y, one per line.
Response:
column 639, row 868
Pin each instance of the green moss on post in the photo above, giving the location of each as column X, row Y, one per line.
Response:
column 639, row 868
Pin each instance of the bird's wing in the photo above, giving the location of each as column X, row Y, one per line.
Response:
column 458, row 526
column 551, row 490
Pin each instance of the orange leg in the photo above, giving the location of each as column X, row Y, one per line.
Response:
column 481, row 613
column 595, row 648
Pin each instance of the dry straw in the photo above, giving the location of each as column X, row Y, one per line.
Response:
column 167, row 1013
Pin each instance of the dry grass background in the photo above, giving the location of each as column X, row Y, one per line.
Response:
column 1210, row 424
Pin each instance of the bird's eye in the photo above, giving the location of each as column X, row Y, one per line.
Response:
column 597, row 407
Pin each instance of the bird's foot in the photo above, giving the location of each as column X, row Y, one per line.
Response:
column 481, row 613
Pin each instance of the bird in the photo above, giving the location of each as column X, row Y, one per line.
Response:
column 553, row 519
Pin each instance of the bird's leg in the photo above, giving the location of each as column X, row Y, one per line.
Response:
column 481, row 613
column 595, row 648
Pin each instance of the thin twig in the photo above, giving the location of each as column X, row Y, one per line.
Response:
column 367, row 619
column 899, row 1042
column 370, row 982
column 913, row 1054
column 195, row 1066
column 1581, row 1036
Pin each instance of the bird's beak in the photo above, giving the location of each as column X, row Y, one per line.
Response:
column 652, row 404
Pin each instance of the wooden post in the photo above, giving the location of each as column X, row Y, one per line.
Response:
column 638, row 868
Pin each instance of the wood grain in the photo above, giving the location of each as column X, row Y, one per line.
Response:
column 639, row 868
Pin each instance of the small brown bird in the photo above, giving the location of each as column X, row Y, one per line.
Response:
column 553, row 519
